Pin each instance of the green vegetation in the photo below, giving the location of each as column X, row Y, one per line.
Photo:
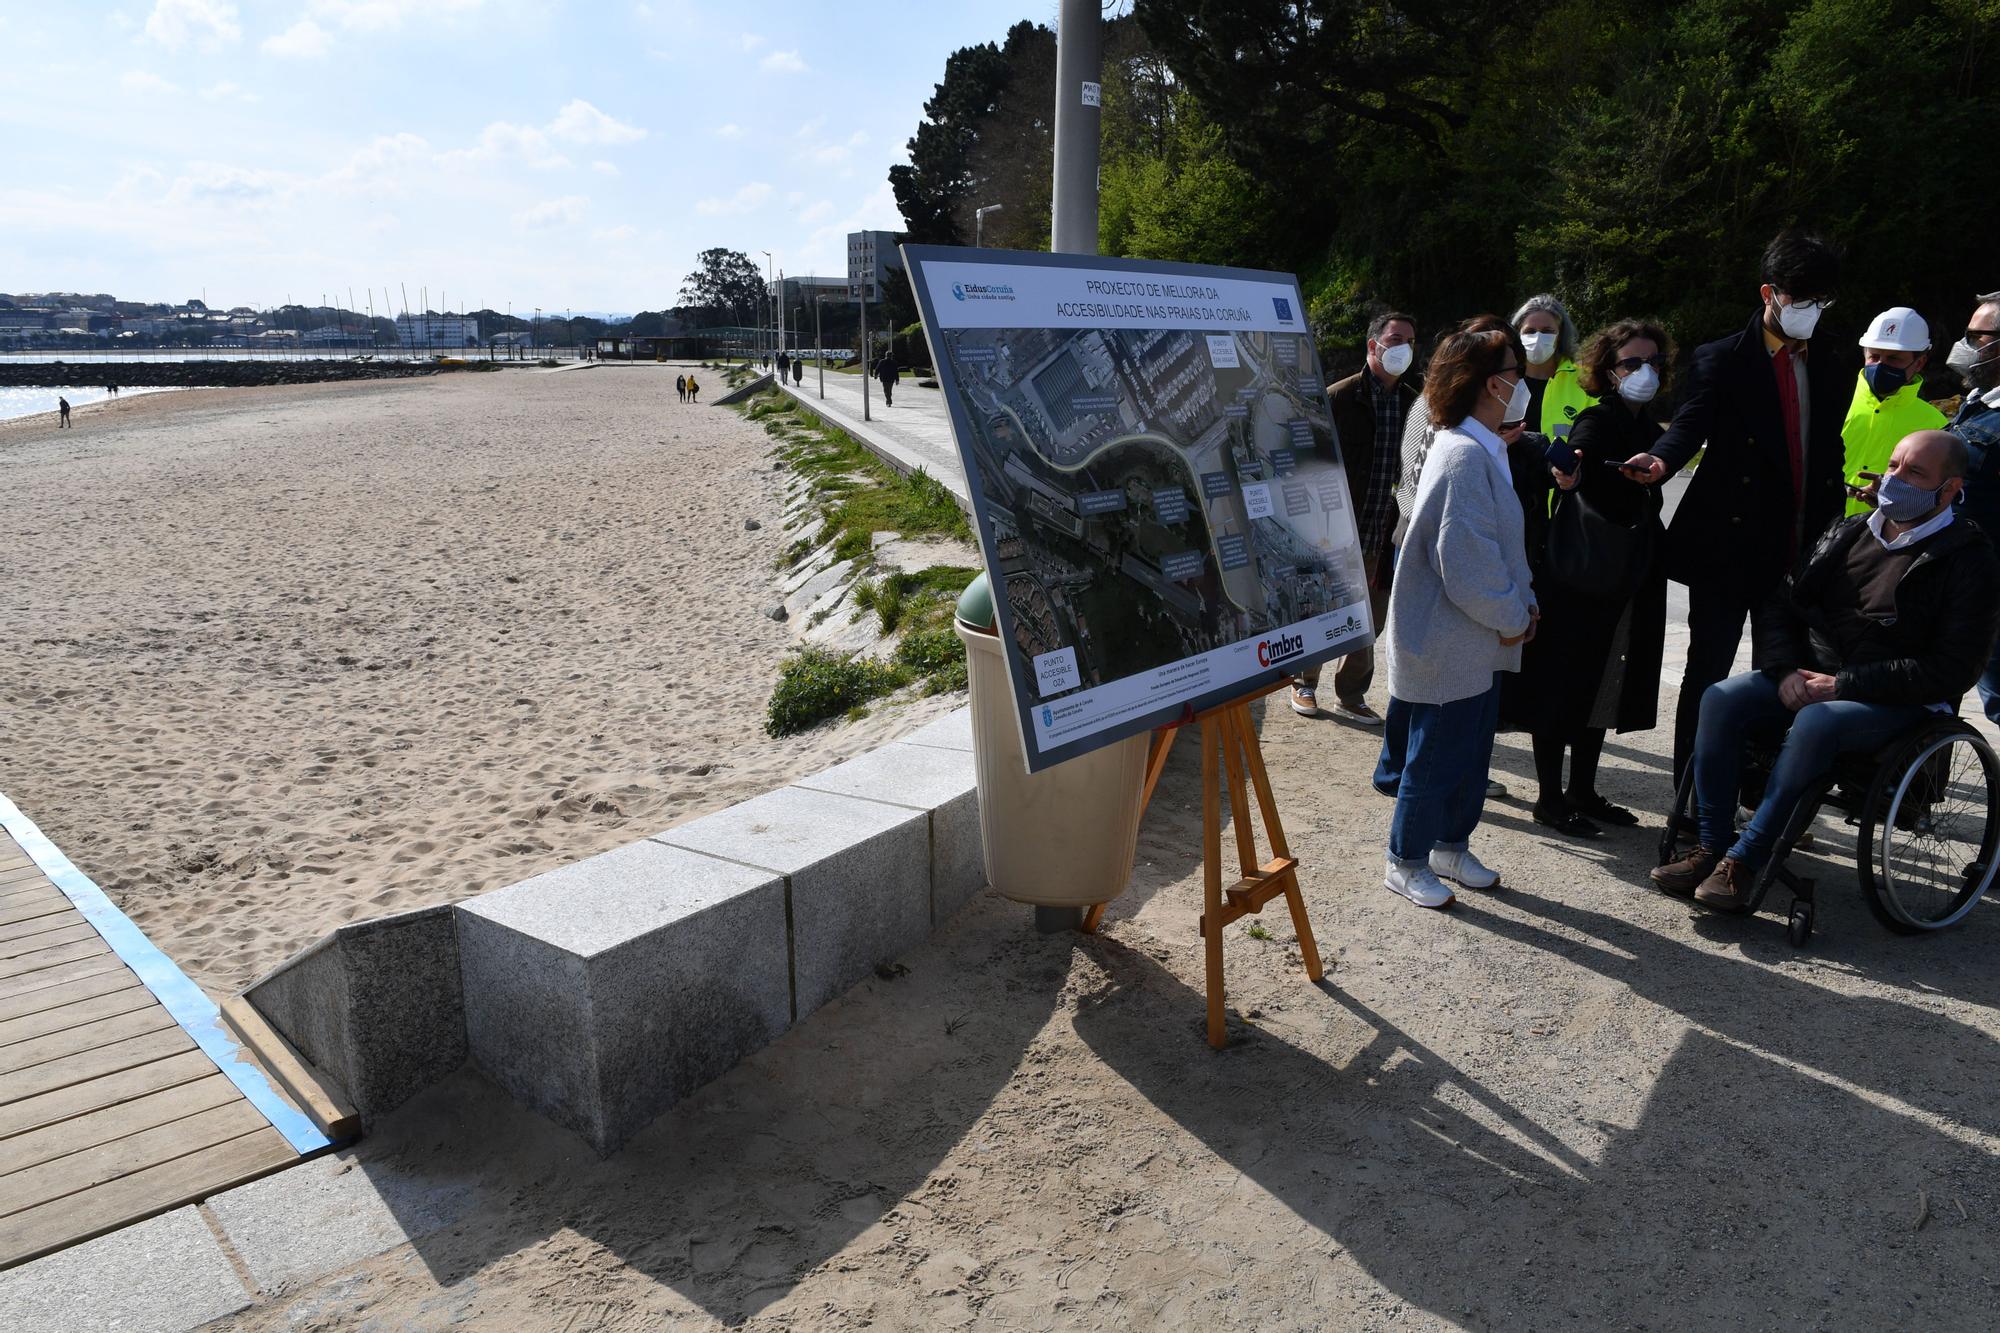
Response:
column 816, row 685
column 1257, row 932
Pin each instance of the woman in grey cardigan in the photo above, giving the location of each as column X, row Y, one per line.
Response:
column 1461, row 608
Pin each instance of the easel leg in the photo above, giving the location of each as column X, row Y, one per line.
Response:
column 1211, row 887
column 1235, row 722
column 1253, row 754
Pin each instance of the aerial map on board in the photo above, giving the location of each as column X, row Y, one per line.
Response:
column 1157, row 484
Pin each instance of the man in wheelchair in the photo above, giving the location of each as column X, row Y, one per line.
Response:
column 1891, row 618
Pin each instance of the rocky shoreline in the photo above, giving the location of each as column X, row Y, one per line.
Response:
column 207, row 374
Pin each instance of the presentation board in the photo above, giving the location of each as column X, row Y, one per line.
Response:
column 1155, row 479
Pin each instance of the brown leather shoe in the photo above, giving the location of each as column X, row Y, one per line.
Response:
column 1682, row 877
column 1728, row 889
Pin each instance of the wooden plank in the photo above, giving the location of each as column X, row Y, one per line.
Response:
column 20, row 930
column 33, row 1232
column 60, row 1047
column 32, row 1082
column 69, row 992
column 35, row 908
column 318, row 1095
column 16, row 861
column 28, row 874
column 56, row 976
column 84, row 1132
column 79, row 1171
column 60, row 1018
column 83, row 1098
column 53, row 957
column 65, row 933
column 34, row 889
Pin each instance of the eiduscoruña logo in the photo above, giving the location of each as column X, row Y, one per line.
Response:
column 981, row 291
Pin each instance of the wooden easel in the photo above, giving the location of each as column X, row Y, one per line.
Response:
column 1229, row 736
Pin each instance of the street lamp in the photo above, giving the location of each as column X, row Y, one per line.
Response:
column 769, row 270
column 979, row 223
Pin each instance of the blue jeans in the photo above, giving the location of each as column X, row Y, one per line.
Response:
column 1819, row 732
column 1395, row 747
column 1443, row 783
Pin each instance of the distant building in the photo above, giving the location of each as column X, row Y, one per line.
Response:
column 868, row 253
column 437, row 331
column 333, row 335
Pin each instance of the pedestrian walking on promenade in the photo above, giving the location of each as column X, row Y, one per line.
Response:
column 1460, row 610
column 1770, row 478
column 1369, row 410
column 1976, row 358
column 1601, row 581
column 1887, row 403
column 1555, row 398
column 887, row 372
column 62, row 411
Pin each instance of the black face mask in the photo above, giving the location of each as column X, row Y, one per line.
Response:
column 1884, row 379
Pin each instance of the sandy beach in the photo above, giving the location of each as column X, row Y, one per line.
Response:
column 275, row 659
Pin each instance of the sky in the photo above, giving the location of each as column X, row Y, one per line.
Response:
column 523, row 152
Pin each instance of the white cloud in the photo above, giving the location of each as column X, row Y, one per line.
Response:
column 623, row 232
column 580, row 122
column 381, row 163
column 227, row 91
column 782, row 62
column 502, row 139
column 216, row 182
column 145, row 83
column 304, row 40
column 605, row 168
column 750, row 41
column 212, row 23
column 747, row 199
column 817, row 212
column 731, row 132
column 383, row 15
column 564, row 212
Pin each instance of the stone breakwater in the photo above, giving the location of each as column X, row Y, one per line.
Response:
column 205, row 374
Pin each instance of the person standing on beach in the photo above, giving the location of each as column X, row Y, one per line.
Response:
column 62, row 408
column 694, row 390
column 681, row 387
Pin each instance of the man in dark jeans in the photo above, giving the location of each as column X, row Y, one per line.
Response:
column 1767, row 409
column 1369, row 409
column 1890, row 619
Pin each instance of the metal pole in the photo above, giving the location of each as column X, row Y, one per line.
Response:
column 864, row 353
column 1079, row 93
column 819, row 346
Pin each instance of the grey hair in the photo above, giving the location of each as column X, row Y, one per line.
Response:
column 1989, row 298
column 1548, row 304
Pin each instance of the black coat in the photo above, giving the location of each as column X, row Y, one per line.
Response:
column 1930, row 651
column 1564, row 665
column 1738, row 525
column 1353, row 412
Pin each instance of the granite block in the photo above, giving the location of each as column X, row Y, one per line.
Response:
column 602, row 993
column 941, row 782
column 165, row 1273
column 859, row 872
column 375, row 1005
column 953, row 731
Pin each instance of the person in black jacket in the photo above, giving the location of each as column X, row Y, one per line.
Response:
column 887, row 371
column 1889, row 619
column 1768, row 412
column 1594, row 663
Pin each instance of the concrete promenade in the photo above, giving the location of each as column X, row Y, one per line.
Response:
column 914, row 433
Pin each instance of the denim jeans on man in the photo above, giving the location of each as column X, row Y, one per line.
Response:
column 1819, row 732
column 1443, row 785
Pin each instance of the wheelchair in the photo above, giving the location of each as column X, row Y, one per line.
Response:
column 1926, row 807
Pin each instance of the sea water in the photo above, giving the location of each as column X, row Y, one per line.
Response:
column 27, row 402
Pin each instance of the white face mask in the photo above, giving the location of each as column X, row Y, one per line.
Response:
column 1798, row 322
column 1517, row 401
column 1968, row 361
column 1539, row 347
column 1396, row 360
column 1640, row 385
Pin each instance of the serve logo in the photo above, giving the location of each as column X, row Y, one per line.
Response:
column 1270, row 652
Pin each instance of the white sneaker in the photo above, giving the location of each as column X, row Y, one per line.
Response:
column 1464, row 869
column 1420, row 885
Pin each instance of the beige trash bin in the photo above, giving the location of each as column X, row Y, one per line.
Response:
column 1060, row 838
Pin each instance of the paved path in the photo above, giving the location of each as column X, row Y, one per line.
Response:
column 914, row 433
column 118, row 1098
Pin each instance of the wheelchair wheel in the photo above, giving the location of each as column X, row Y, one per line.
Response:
column 1929, row 829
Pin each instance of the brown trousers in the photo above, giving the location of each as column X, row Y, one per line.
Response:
column 1356, row 671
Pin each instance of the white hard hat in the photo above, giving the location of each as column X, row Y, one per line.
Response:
column 1898, row 329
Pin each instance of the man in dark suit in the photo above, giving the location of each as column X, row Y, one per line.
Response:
column 1369, row 409
column 1766, row 404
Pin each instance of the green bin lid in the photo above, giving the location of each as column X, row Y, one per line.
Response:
column 975, row 604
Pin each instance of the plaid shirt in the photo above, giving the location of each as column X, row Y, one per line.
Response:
column 1385, row 469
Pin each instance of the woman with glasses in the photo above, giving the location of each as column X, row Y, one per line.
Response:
column 1459, row 611
column 1595, row 663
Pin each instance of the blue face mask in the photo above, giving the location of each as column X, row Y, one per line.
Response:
column 1903, row 502
column 1884, row 379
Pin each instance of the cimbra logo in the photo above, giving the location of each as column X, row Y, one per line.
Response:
column 1270, row 652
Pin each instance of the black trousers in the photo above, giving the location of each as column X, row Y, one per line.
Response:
column 1716, row 613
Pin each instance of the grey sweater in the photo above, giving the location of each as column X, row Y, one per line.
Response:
column 1462, row 578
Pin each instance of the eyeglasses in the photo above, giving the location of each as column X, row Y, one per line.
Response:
column 1628, row 364
column 1973, row 336
column 1821, row 303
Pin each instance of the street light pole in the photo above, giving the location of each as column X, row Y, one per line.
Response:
column 765, row 303
column 819, row 348
column 979, row 223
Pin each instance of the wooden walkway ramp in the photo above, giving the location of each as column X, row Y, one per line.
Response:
column 120, row 1095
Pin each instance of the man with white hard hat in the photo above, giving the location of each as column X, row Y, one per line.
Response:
column 1887, row 405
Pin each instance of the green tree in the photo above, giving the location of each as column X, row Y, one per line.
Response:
column 726, row 289
column 931, row 187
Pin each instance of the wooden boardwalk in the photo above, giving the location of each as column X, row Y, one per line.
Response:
column 109, row 1110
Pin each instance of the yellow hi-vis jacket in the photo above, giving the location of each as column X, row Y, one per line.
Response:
column 1875, row 426
column 1562, row 399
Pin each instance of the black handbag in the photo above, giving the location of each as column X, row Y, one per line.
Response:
column 1594, row 553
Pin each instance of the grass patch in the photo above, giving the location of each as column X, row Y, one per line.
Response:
column 817, row 685
column 934, row 656
column 1257, row 932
